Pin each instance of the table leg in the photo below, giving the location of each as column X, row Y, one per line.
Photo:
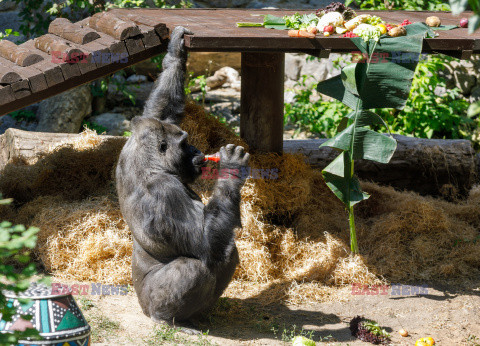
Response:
column 261, row 122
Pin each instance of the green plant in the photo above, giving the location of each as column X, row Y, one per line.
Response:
column 363, row 87
column 317, row 117
column 165, row 335
column 16, row 271
column 375, row 329
column 99, row 129
column 7, row 33
column 23, row 115
column 427, row 115
column 199, row 82
column 410, row 5
column 36, row 15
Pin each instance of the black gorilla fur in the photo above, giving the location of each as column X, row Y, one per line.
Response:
column 184, row 252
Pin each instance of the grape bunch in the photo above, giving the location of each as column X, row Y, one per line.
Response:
column 374, row 20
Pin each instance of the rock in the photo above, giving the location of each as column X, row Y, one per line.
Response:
column 116, row 124
column 140, row 92
column 6, row 5
column 201, row 63
column 7, row 122
column 464, row 74
column 65, row 112
column 293, row 64
column 320, row 70
column 232, row 75
column 145, row 68
column 119, row 78
column 217, row 80
column 440, row 91
column 136, row 78
column 475, row 95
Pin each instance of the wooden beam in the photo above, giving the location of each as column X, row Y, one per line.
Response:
column 261, row 121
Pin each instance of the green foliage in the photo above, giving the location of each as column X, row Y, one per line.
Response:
column 375, row 329
column 197, row 82
column 99, row 129
column 459, row 6
column 23, row 115
column 410, row 5
column 362, row 87
column 7, row 33
column 317, row 117
column 429, row 116
column 16, row 271
column 36, row 15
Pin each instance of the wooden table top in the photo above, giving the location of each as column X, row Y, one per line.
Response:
column 216, row 30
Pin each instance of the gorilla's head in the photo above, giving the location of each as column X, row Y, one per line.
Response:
column 165, row 146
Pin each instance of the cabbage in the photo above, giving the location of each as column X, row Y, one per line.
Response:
column 368, row 32
column 331, row 18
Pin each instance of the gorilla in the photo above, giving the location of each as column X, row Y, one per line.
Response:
column 184, row 252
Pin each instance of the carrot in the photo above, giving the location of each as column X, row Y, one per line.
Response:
column 300, row 33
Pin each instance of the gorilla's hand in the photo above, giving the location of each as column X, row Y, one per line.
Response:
column 232, row 157
column 177, row 43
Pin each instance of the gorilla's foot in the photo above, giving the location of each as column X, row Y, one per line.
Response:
column 187, row 327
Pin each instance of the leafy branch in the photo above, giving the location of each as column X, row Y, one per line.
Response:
column 363, row 87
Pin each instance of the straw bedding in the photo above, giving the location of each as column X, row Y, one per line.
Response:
column 294, row 241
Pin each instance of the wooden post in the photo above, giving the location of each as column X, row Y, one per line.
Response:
column 261, row 122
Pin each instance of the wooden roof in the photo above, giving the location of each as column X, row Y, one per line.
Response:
column 40, row 68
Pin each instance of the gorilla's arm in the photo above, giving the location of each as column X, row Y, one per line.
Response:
column 222, row 213
column 167, row 100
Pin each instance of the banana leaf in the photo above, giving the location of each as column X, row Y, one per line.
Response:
column 364, row 86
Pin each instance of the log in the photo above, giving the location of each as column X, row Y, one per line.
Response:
column 111, row 25
column 426, row 166
column 16, row 143
column 19, row 55
column 59, row 49
column 64, row 28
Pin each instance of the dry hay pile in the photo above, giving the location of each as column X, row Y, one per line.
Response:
column 294, row 242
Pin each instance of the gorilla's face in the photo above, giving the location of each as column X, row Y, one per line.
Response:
column 166, row 145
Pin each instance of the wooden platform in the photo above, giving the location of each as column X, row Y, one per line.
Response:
column 72, row 54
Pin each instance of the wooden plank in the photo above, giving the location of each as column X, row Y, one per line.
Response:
column 215, row 30
column 21, row 89
column 111, row 25
column 134, row 45
column 80, row 79
column 68, row 70
column 53, row 72
column 145, row 21
column 18, row 55
column 6, row 95
column 62, row 27
column 261, row 121
column 36, row 78
column 150, row 37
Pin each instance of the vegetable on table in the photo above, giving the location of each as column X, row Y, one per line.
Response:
column 433, row 21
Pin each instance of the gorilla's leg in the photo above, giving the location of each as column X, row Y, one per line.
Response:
column 176, row 290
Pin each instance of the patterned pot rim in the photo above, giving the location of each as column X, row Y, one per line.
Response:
column 36, row 291
column 54, row 341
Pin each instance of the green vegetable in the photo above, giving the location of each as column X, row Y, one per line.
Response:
column 298, row 21
column 302, row 341
column 246, row 25
column 445, row 27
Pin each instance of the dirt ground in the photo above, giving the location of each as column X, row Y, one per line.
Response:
column 450, row 315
